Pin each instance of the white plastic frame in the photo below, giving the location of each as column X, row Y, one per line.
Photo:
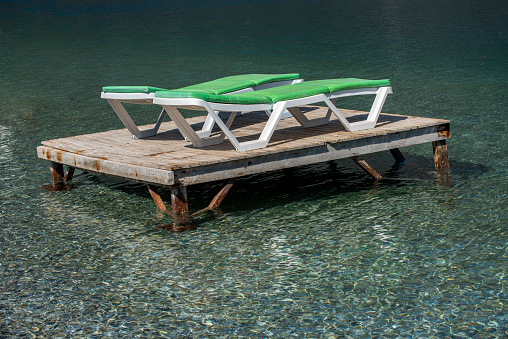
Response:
column 116, row 100
column 171, row 106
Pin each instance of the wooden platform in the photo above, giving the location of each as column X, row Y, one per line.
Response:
column 168, row 160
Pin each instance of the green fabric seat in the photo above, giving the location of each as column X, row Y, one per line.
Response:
column 349, row 83
column 238, row 82
column 218, row 86
column 276, row 94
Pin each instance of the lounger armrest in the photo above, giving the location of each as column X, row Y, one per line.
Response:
column 359, row 91
column 193, row 103
column 180, row 102
column 127, row 96
column 240, row 108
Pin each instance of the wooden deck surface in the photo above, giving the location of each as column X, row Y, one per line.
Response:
column 167, row 159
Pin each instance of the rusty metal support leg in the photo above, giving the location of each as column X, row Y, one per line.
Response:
column 57, row 173
column 157, row 199
column 366, row 167
column 397, row 155
column 440, row 155
column 180, row 205
column 217, row 200
column 58, row 178
column 180, row 208
column 70, row 173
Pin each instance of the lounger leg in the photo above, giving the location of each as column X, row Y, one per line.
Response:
column 274, row 119
column 159, row 122
column 367, row 168
column 374, row 113
column 224, row 127
column 267, row 132
column 440, row 155
column 189, row 133
column 124, row 117
column 183, row 126
column 379, row 101
column 305, row 122
column 209, row 123
column 218, row 139
column 207, row 127
column 129, row 123
column 248, row 145
column 373, row 116
column 338, row 114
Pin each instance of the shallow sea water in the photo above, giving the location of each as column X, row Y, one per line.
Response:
column 313, row 252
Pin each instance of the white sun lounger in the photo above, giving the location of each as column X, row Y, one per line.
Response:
column 116, row 95
column 276, row 100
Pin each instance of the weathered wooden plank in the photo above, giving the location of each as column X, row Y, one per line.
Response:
column 123, row 170
column 298, row 135
column 305, row 156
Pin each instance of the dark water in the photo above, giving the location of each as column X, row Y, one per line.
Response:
column 318, row 251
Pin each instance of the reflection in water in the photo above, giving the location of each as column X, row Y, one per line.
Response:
column 387, row 240
column 5, row 140
column 58, row 186
column 282, row 263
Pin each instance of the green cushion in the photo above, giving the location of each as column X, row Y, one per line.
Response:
column 349, row 83
column 131, row 89
column 218, row 86
column 241, row 99
column 281, row 93
column 265, row 96
column 289, row 92
column 238, row 82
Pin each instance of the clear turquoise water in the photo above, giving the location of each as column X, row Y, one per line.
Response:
column 319, row 251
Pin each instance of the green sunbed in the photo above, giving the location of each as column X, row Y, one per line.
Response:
column 116, row 95
column 276, row 100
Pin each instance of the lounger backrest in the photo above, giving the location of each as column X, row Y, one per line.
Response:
column 238, row 82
